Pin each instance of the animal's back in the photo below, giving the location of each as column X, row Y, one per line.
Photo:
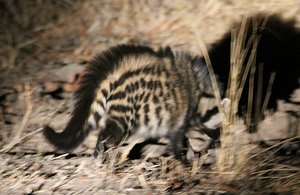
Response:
column 141, row 95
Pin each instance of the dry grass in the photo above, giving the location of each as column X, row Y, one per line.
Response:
column 65, row 31
column 21, row 22
column 233, row 153
column 238, row 158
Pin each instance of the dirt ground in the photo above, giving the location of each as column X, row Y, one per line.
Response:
column 44, row 48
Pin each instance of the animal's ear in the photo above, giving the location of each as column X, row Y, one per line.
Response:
column 226, row 103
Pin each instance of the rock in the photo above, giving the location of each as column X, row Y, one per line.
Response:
column 279, row 126
column 198, row 140
column 66, row 74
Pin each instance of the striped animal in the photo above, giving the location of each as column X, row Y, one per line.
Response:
column 134, row 90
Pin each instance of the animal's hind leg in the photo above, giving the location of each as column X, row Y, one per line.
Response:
column 109, row 137
column 179, row 144
column 100, row 145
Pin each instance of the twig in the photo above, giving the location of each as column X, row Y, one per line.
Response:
column 143, row 181
column 11, row 145
column 250, row 96
column 211, row 74
column 16, row 140
column 27, row 97
column 267, row 97
column 274, row 146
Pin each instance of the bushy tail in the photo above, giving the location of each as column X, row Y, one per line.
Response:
column 70, row 138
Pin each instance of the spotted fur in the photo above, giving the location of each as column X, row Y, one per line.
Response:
column 134, row 90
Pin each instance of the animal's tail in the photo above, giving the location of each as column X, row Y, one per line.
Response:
column 72, row 136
